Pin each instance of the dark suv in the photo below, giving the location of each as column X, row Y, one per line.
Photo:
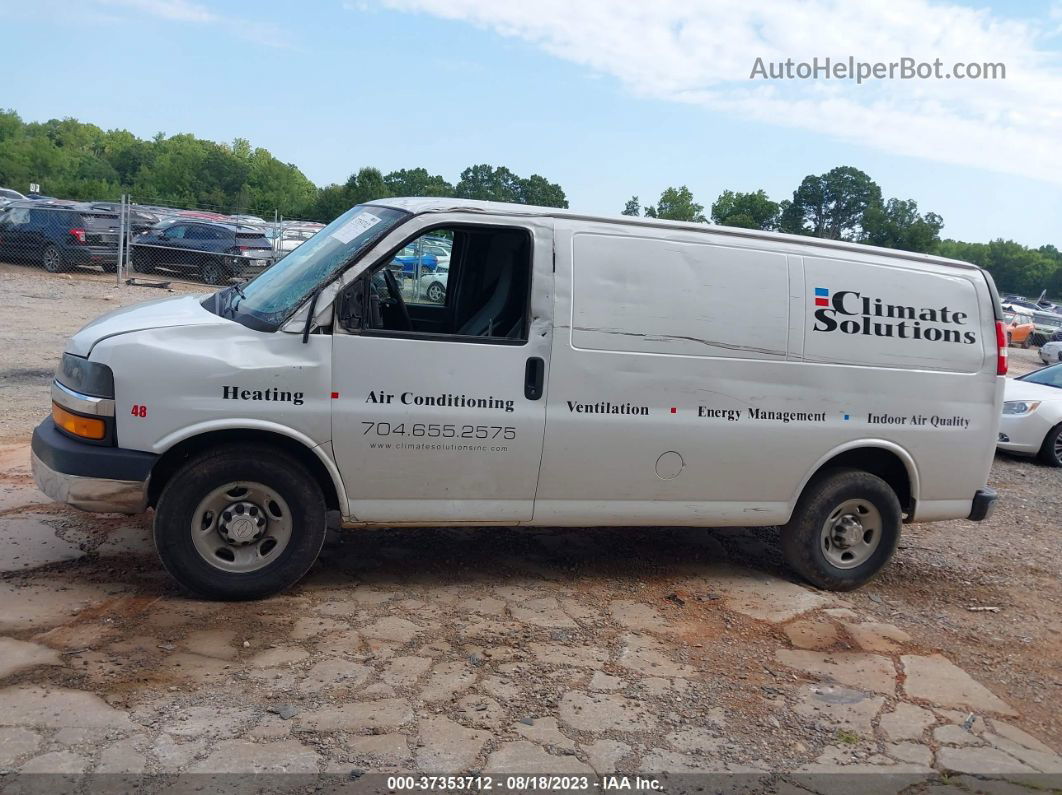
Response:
column 216, row 252
column 59, row 236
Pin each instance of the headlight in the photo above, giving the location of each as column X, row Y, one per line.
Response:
column 1020, row 406
column 88, row 378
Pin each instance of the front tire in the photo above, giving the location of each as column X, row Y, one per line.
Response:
column 1051, row 449
column 1027, row 342
column 240, row 522
column 844, row 529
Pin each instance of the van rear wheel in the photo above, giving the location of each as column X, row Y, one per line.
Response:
column 844, row 529
column 240, row 522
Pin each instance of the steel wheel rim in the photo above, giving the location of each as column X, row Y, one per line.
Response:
column 851, row 533
column 241, row 527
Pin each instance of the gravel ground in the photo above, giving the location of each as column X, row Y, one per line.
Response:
column 531, row 649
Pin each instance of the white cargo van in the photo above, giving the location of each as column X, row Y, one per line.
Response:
column 580, row 371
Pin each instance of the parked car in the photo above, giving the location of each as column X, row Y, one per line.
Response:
column 7, row 195
column 59, row 236
column 248, row 220
column 1047, row 325
column 214, row 252
column 433, row 285
column 1020, row 326
column 288, row 239
column 405, row 262
column 1051, row 352
column 139, row 219
column 1032, row 415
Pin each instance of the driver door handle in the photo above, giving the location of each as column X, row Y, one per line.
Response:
column 534, row 376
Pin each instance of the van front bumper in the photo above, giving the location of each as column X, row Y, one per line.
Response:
column 87, row 476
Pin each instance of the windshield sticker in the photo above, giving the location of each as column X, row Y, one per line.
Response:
column 355, row 226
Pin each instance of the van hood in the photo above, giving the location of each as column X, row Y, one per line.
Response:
column 185, row 310
column 1024, row 390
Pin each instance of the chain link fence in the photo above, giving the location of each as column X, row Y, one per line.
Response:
column 145, row 243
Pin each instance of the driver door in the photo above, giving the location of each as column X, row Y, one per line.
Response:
column 443, row 421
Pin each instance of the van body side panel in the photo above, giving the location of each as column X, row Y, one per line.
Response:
column 650, row 426
column 677, row 297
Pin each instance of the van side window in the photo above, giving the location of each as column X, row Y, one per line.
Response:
column 470, row 283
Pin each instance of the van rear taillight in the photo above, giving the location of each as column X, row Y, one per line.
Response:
column 79, row 234
column 1002, row 355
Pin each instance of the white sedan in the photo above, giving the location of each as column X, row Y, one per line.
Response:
column 1032, row 415
column 433, row 285
column 1051, row 352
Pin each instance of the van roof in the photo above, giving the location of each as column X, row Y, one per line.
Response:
column 418, row 205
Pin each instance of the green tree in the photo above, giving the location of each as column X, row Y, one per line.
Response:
column 541, row 192
column 831, row 205
column 487, row 183
column 417, row 182
column 747, row 210
column 677, row 204
column 898, row 224
column 499, row 184
column 632, row 207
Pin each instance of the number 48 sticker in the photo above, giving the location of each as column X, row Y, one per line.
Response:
column 139, row 410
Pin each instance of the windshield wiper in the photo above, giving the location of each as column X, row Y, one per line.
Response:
column 235, row 305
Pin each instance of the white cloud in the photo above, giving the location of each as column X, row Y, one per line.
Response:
column 187, row 11
column 702, row 52
column 177, row 10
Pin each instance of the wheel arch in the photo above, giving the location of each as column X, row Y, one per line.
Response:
column 880, row 457
column 178, row 448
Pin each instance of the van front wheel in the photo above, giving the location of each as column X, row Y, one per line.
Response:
column 240, row 522
column 844, row 530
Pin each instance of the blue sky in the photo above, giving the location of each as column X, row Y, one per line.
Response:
column 608, row 99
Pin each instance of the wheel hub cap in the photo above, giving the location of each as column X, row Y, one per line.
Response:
column 851, row 533
column 242, row 523
column 241, row 527
column 847, row 531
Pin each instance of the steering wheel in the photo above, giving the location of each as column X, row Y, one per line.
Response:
column 395, row 293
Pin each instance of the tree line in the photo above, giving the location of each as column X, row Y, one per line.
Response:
column 76, row 160
column 846, row 204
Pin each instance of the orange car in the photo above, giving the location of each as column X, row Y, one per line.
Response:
column 1020, row 327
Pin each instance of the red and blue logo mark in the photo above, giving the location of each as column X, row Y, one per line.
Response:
column 822, row 296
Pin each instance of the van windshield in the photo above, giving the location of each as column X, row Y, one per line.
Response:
column 266, row 301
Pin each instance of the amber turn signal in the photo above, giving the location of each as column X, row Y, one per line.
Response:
column 85, row 427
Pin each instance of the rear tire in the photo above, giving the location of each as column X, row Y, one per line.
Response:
column 844, row 529
column 436, row 293
column 52, row 259
column 1010, row 339
column 211, row 271
column 1051, row 449
column 205, row 530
